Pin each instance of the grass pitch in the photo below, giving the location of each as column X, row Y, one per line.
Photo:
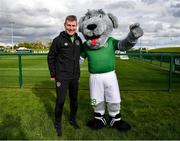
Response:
column 28, row 113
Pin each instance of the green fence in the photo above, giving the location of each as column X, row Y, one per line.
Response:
column 9, row 63
column 168, row 59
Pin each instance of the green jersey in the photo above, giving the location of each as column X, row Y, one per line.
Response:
column 101, row 60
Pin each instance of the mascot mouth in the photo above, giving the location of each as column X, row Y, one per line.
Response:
column 93, row 40
column 94, row 37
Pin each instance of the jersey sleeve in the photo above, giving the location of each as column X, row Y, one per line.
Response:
column 115, row 43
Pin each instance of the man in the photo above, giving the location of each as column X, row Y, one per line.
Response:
column 63, row 62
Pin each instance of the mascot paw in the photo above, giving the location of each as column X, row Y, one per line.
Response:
column 98, row 122
column 119, row 124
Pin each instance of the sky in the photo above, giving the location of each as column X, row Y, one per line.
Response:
column 43, row 20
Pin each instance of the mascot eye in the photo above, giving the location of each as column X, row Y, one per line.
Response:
column 100, row 16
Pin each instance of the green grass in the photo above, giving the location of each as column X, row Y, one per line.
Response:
column 28, row 113
column 170, row 49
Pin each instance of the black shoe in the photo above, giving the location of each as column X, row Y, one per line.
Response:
column 74, row 124
column 118, row 123
column 97, row 122
column 58, row 130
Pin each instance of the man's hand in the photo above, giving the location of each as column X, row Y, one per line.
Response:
column 136, row 31
column 52, row 78
column 81, row 60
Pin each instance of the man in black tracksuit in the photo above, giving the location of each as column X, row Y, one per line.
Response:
column 63, row 62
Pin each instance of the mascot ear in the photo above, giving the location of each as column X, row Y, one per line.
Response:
column 80, row 23
column 113, row 19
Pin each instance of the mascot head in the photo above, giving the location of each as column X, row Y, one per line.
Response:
column 96, row 26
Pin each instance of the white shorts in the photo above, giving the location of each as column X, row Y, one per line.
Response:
column 104, row 87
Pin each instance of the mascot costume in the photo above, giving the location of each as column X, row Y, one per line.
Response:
column 99, row 49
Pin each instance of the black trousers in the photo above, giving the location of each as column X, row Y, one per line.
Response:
column 62, row 87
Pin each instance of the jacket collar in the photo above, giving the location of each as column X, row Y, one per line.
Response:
column 67, row 36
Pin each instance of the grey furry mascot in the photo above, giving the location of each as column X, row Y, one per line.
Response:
column 99, row 49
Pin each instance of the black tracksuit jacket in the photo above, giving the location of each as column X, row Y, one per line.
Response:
column 63, row 57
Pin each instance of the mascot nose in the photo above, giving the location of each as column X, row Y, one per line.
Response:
column 91, row 26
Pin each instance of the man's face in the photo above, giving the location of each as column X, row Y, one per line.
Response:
column 71, row 27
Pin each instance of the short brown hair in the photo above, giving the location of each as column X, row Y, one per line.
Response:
column 71, row 18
